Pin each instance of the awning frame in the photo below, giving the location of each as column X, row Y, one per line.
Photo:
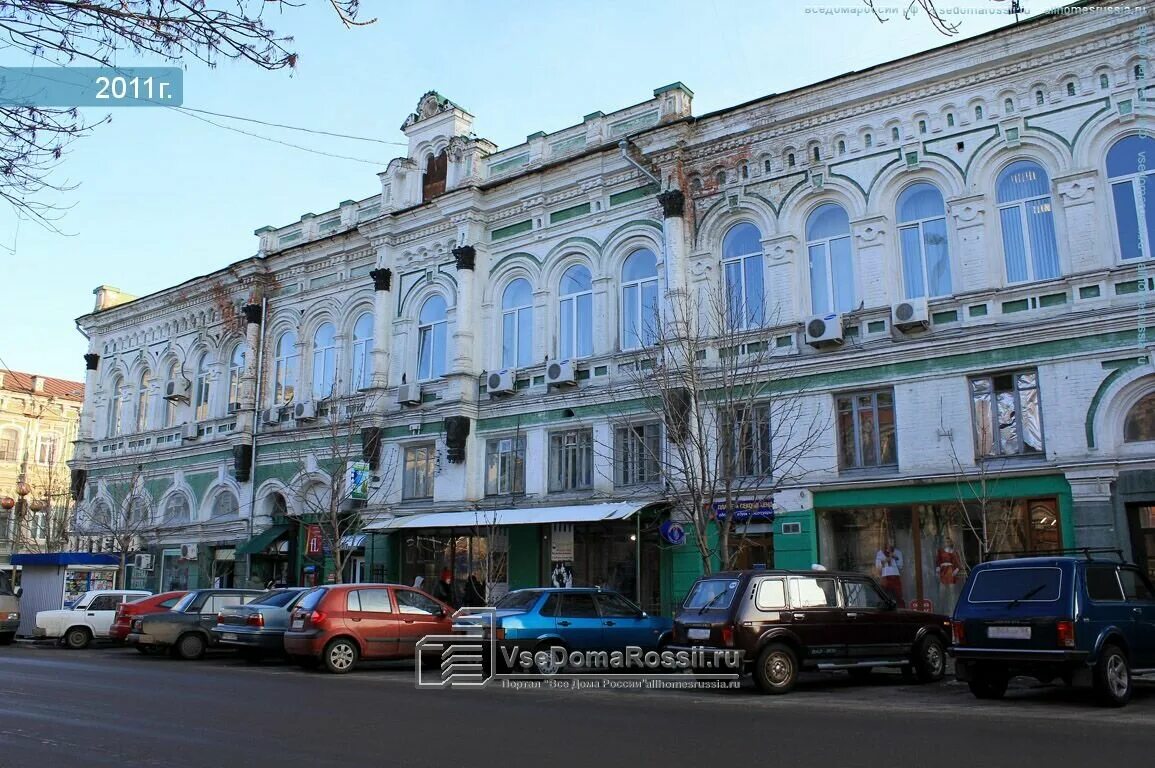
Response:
column 493, row 518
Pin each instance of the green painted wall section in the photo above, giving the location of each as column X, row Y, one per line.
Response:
column 381, row 550
column 569, row 213
column 199, row 483
column 524, row 556
column 796, row 550
column 618, row 198
column 511, row 230
column 682, row 565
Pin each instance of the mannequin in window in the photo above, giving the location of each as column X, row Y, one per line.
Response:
column 888, row 561
column 949, row 566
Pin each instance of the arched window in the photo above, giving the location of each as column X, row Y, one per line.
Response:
column 720, row 178
column 142, row 401
column 175, row 376
column 225, row 505
column 950, row 119
column 1008, row 105
column 176, row 510
column 48, row 451
column 868, row 140
column 114, row 407
column 640, row 321
column 362, row 370
column 1104, row 81
column 1071, row 88
column 815, row 153
column 922, row 235
column 324, row 362
column 979, row 112
column 922, row 126
column 201, row 387
column 745, row 171
column 1040, row 99
column 1140, row 72
column 1139, row 426
column 100, row 515
column 286, row 359
column 517, row 324
column 431, row 338
column 790, row 160
column 9, row 445
column 841, row 147
column 575, row 332
column 1028, row 223
column 831, row 261
column 742, row 273
column 236, row 374
column 433, row 181
column 766, row 165
column 894, row 134
column 1127, row 193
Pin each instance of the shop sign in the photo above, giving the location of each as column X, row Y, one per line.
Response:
column 745, row 510
column 561, row 543
column 673, row 532
column 357, row 480
column 314, row 541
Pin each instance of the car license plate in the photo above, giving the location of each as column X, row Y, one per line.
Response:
column 698, row 633
column 228, row 636
column 1009, row 633
column 298, row 624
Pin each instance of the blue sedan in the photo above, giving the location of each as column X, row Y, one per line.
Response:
column 529, row 621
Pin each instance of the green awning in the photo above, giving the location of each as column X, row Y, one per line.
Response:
column 262, row 540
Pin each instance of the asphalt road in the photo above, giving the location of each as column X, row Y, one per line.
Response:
column 113, row 707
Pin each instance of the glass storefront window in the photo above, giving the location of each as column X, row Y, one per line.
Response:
column 478, row 564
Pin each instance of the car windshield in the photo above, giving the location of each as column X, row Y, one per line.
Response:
column 1016, row 585
column 522, row 600
column 711, row 593
column 5, row 584
column 278, row 599
column 311, row 600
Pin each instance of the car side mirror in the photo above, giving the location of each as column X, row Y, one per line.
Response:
column 18, row 591
column 643, row 615
column 891, row 604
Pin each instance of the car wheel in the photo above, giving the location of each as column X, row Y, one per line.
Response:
column 545, row 660
column 988, row 682
column 77, row 638
column 7, row 638
column 776, row 670
column 340, row 656
column 930, row 660
column 1113, row 677
column 190, row 647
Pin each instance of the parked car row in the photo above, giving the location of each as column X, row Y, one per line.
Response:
column 1079, row 619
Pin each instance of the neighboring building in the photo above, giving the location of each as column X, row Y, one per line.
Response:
column 38, row 420
column 993, row 186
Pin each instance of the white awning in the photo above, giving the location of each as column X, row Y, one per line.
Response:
column 485, row 518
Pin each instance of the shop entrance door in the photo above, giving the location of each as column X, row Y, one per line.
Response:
column 756, row 552
column 1142, row 520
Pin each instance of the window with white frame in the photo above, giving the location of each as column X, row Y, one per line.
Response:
column 142, row 401
column 866, row 436
column 176, row 510
column 1008, row 419
column 637, row 454
column 575, row 332
column 362, row 358
column 39, row 525
column 923, row 240
column 48, row 450
column 236, row 376
column 114, row 406
column 432, row 323
column 517, row 324
column 831, row 259
column 9, row 444
column 201, row 389
column 505, row 466
column 420, row 464
column 1028, row 223
column 745, row 441
column 1132, row 185
column 173, row 376
column 286, row 360
column 225, row 505
column 742, row 273
column 640, row 320
column 571, row 460
column 324, row 362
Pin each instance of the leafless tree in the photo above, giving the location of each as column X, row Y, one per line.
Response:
column 96, row 33
column 916, row 8
column 43, row 521
column 117, row 519
column 987, row 518
column 736, row 430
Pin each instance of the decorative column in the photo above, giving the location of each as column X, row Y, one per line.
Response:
column 88, row 422
column 876, row 285
column 466, row 258
column 253, row 319
column 675, row 307
column 976, row 270
column 1077, row 192
column 382, row 285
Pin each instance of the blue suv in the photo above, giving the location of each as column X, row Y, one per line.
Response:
column 1082, row 620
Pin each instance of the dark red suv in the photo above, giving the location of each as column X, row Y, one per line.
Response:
column 342, row 624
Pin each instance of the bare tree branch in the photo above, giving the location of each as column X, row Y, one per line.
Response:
column 916, row 8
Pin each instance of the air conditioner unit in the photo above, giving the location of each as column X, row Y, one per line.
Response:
column 560, row 372
column 188, row 551
column 189, row 431
column 409, row 394
column 178, row 390
column 910, row 315
column 824, row 330
column 142, row 562
column 271, row 415
column 501, row 382
column 306, row 410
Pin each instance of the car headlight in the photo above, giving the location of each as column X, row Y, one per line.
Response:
column 13, row 617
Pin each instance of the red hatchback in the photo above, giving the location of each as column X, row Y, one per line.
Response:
column 340, row 625
column 122, row 623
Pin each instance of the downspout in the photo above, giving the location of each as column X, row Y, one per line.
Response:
column 624, row 146
column 256, row 428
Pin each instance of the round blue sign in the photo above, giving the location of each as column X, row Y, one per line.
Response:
column 673, row 532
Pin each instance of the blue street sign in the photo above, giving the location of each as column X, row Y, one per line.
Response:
column 746, row 510
column 673, row 532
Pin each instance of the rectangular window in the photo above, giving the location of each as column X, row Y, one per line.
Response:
column 866, row 435
column 419, row 465
column 771, row 595
column 637, row 450
column 745, row 442
column 505, row 466
column 1026, row 585
column 571, row 460
column 1008, row 419
column 47, row 453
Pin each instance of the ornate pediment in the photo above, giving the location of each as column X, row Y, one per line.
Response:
column 429, row 105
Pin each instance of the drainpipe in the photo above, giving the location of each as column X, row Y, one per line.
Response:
column 256, row 428
column 624, row 146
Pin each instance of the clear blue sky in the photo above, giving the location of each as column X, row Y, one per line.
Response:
column 163, row 197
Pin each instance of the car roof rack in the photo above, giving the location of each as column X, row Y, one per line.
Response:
column 1084, row 551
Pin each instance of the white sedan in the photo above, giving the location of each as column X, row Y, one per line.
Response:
column 90, row 617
